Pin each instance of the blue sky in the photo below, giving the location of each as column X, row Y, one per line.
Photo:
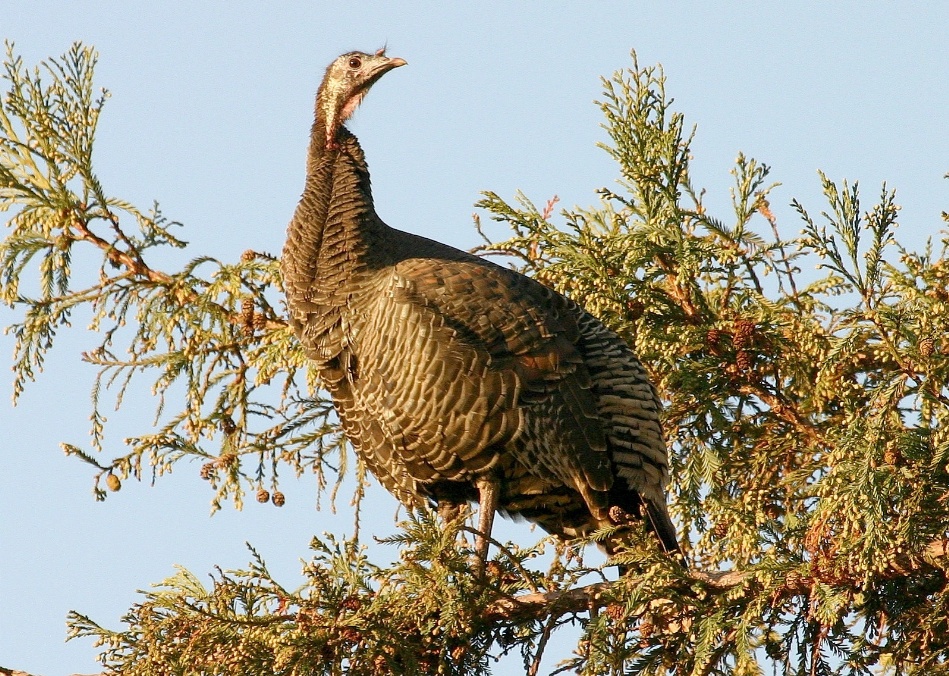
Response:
column 210, row 110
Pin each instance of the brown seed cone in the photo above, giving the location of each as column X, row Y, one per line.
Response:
column 227, row 425
column 744, row 330
column 635, row 308
column 247, row 316
column 743, row 361
column 351, row 603
column 892, row 455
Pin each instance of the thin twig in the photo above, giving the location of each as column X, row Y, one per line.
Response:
column 541, row 645
column 131, row 263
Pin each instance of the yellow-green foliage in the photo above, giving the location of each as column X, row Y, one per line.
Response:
column 210, row 336
column 807, row 414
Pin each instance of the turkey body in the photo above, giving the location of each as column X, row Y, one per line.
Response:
column 450, row 372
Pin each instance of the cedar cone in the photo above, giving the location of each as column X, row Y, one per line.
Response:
column 247, row 316
column 744, row 330
column 227, row 425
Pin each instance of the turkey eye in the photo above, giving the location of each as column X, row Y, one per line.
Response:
column 355, row 62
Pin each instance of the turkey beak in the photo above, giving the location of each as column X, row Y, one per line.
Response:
column 381, row 67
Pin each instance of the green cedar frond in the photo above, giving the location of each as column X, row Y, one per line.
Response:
column 807, row 416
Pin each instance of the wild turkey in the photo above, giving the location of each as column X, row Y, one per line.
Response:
column 456, row 379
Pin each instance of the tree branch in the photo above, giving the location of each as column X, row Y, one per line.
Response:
column 558, row 603
column 132, row 262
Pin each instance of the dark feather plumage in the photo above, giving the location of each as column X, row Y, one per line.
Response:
column 452, row 374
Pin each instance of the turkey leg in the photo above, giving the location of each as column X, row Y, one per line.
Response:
column 488, row 504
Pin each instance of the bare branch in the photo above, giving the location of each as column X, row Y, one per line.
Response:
column 133, row 262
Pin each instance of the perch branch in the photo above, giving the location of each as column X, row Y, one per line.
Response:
column 558, row 603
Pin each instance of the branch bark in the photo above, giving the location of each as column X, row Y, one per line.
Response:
column 590, row 597
column 132, row 262
column 543, row 604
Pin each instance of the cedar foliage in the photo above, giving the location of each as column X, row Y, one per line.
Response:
column 807, row 414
